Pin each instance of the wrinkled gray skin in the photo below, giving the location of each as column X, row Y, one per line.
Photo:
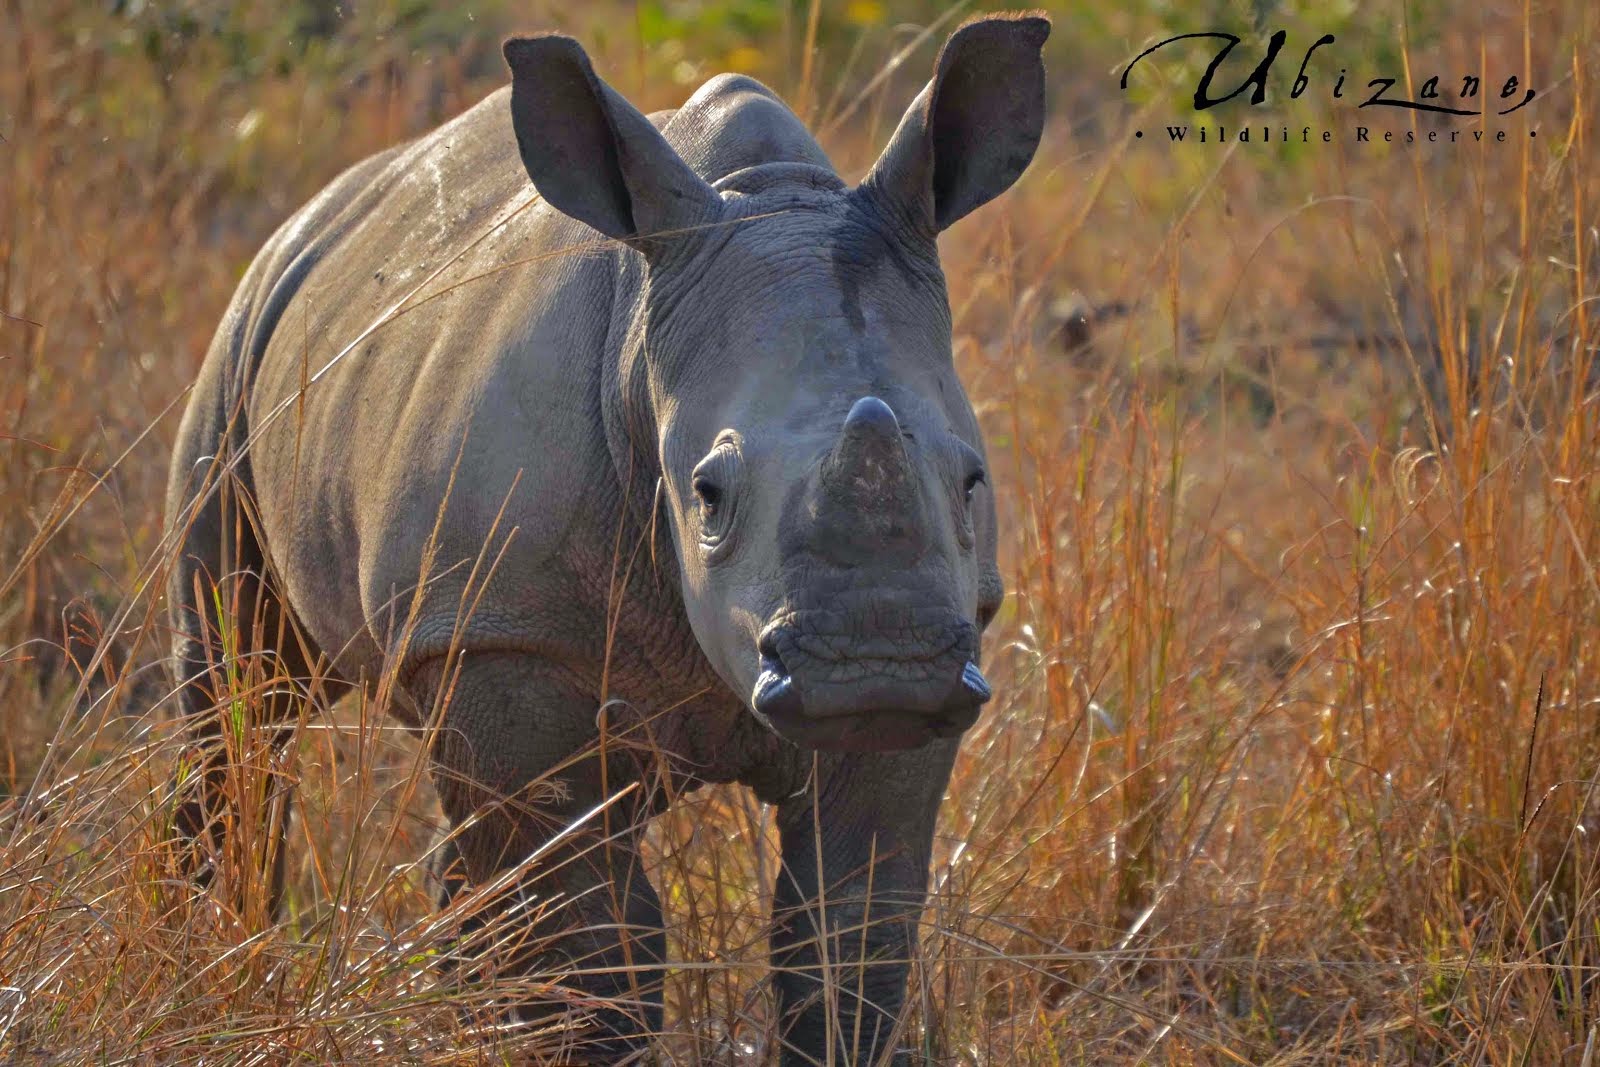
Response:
column 727, row 423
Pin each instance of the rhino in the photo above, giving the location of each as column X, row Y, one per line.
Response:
column 654, row 473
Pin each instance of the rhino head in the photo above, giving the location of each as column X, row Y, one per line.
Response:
column 789, row 361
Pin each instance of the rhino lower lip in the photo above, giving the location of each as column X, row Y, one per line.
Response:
column 773, row 684
column 775, row 690
column 976, row 684
column 772, row 672
column 882, row 732
column 775, row 694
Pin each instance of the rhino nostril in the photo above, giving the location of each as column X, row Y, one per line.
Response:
column 771, row 659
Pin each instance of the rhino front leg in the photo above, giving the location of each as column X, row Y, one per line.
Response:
column 856, row 847
column 517, row 768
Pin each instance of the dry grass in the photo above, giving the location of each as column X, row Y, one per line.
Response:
column 1294, row 757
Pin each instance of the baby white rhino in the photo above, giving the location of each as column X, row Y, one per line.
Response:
column 653, row 473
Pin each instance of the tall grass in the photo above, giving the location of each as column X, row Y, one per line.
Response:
column 1293, row 757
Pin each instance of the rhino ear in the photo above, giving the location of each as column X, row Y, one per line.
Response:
column 972, row 132
column 591, row 154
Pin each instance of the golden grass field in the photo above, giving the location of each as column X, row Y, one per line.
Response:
column 1296, row 743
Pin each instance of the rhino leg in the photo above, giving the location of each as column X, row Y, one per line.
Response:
column 518, row 771
column 450, row 871
column 245, row 672
column 856, row 847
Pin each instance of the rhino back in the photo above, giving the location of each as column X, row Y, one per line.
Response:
column 429, row 321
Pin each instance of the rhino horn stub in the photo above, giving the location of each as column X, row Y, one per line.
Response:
column 870, row 455
column 867, row 492
column 870, row 418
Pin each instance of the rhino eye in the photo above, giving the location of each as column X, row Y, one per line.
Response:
column 714, row 483
column 710, row 495
column 975, row 477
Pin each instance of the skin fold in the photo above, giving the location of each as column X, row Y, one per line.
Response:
column 560, row 410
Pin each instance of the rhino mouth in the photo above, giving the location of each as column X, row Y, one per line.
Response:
column 834, row 690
